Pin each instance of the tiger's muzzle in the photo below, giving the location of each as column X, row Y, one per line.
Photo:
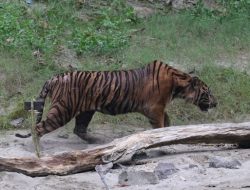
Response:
column 209, row 105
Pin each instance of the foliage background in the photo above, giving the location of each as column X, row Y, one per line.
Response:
column 107, row 35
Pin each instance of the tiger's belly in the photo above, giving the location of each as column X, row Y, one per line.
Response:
column 112, row 102
column 115, row 110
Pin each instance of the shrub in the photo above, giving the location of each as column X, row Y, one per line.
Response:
column 109, row 30
column 227, row 9
column 20, row 30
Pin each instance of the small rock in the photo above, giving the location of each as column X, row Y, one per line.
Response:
column 167, row 2
column 137, row 178
column 192, row 166
column 104, row 169
column 17, row 122
column 183, row 178
column 142, row 11
column 183, row 4
column 63, row 136
column 155, row 153
column 211, row 185
column 4, row 144
column 163, row 170
column 220, row 162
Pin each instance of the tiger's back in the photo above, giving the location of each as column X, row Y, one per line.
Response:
column 112, row 92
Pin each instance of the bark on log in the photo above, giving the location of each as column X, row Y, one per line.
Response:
column 123, row 149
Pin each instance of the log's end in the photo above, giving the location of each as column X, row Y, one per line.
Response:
column 244, row 144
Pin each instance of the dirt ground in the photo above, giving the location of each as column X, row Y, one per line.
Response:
column 200, row 176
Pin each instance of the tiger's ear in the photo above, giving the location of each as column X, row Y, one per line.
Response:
column 192, row 72
column 194, row 82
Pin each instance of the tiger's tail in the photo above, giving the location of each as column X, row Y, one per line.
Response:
column 22, row 136
column 41, row 98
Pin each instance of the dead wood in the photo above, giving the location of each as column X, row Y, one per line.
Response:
column 123, row 149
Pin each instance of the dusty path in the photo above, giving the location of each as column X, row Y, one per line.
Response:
column 192, row 163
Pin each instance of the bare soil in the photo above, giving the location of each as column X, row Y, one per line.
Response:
column 201, row 176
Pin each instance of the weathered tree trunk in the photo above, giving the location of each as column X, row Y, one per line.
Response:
column 123, row 149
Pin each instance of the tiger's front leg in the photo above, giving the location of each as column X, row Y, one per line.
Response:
column 166, row 120
column 158, row 118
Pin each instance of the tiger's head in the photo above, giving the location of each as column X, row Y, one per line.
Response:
column 198, row 93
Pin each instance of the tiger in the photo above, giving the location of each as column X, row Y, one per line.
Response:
column 146, row 90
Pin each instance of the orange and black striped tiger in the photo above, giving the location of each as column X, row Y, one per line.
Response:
column 146, row 90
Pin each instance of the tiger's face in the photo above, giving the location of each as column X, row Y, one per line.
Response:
column 199, row 94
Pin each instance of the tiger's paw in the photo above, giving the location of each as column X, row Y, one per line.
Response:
column 91, row 139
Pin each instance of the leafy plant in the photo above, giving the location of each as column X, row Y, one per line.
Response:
column 235, row 7
column 225, row 9
column 109, row 30
column 20, row 30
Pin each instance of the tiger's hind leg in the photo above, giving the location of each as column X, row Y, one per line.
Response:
column 57, row 117
column 81, row 125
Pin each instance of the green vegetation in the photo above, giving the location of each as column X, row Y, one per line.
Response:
column 107, row 32
column 45, row 26
column 107, row 35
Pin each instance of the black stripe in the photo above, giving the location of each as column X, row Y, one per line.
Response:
column 109, row 89
column 80, row 91
column 157, row 78
column 111, row 106
column 59, row 92
column 154, row 74
column 120, row 89
column 92, row 89
column 148, row 70
column 133, row 83
column 52, row 124
column 123, row 106
column 100, row 86
column 66, row 108
column 87, row 76
column 60, row 114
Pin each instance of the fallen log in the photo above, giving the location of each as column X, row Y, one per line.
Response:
column 123, row 149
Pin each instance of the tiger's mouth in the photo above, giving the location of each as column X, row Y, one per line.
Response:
column 206, row 107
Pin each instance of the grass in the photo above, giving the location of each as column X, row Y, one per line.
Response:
column 108, row 41
column 184, row 39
